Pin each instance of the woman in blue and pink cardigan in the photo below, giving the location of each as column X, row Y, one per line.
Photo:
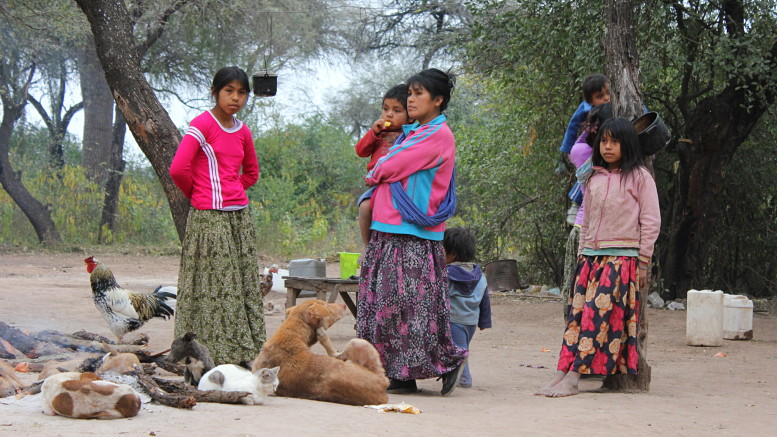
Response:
column 403, row 308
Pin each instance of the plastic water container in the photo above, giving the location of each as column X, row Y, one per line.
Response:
column 704, row 318
column 737, row 317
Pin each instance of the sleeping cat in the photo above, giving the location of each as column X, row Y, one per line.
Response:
column 229, row 377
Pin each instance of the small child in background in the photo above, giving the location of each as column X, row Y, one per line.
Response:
column 376, row 143
column 596, row 91
column 470, row 305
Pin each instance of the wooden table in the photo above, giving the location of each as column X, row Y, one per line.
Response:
column 326, row 289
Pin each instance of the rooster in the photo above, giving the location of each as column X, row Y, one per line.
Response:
column 265, row 280
column 126, row 310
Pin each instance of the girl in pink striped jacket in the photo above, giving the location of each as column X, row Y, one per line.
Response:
column 218, row 281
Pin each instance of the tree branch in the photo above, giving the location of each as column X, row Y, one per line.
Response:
column 153, row 33
column 42, row 112
column 70, row 113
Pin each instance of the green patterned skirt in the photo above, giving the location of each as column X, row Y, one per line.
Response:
column 218, row 285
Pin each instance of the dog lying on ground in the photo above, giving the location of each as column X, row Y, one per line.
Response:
column 85, row 396
column 355, row 376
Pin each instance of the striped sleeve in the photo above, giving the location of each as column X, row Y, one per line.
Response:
column 181, row 167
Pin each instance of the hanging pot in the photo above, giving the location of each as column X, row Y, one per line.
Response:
column 265, row 83
column 652, row 133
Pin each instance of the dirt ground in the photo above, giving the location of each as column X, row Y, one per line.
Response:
column 693, row 393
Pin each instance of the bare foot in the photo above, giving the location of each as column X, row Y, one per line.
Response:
column 556, row 379
column 562, row 389
column 567, row 387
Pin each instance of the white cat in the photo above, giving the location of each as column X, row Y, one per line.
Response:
column 229, row 377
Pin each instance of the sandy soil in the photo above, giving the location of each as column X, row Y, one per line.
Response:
column 692, row 392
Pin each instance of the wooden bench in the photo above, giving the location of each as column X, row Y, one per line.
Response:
column 326, row 289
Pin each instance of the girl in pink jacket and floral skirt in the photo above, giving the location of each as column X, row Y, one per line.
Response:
column 621, row 222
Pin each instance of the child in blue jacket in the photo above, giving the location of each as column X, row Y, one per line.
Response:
column 596, row 91
column 470, row 305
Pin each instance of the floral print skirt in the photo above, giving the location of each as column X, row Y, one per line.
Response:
column 218, row 285
column 403, row 307
column 601, row 333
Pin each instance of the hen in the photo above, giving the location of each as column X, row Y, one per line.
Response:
column 265, row 280
column 126, row 310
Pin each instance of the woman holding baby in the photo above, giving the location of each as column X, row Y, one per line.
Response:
column 403, row 309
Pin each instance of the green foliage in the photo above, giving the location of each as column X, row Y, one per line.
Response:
column 76, row 203
column 532, row 56
column 304, row 202
column 507, row 189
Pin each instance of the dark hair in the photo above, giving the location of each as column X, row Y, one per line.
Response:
column 437, row 82
column 460, row 243
column 398, row 93
column 620, row 129
column 596, row 117
column 226, row 75
column 592, row 84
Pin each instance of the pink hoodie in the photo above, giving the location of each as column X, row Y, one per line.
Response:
column 621, row 212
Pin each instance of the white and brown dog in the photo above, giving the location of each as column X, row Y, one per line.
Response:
column 86, row 396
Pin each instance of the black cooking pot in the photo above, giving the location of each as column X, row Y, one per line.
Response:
column 265, row 83
column 652, row 133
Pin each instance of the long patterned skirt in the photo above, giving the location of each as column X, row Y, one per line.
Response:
column 403, row 307
column 601, row 333
column 218, row 285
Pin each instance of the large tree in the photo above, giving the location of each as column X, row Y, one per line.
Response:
column 728, row 82
column 207, row 36
column 623, row 70
column 148, row 121
column 16, row 74
column 708, row 68
column 423, row 30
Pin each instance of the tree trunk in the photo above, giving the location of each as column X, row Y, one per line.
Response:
column 37, row 213
column 716, row 129
column 148, row 121
column 626, row 94
column 113, row 184
column 98, row 116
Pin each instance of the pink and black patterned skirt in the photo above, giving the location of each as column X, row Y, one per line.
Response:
column 403, row 307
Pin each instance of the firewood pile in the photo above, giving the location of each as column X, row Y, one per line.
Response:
column 48, row 352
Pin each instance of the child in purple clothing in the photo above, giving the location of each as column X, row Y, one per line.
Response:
column 580, row 155
column 596, row 91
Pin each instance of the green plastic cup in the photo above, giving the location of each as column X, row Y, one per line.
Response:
column 348, row 264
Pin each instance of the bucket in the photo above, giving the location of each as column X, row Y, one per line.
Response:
column 652, row 133
column 737, row 317
column 348, row 264
column 704, row 318
column 307, row 268
column 265, row 83
column 502, row 275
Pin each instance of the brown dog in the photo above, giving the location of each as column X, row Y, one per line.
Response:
column 354, row 377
